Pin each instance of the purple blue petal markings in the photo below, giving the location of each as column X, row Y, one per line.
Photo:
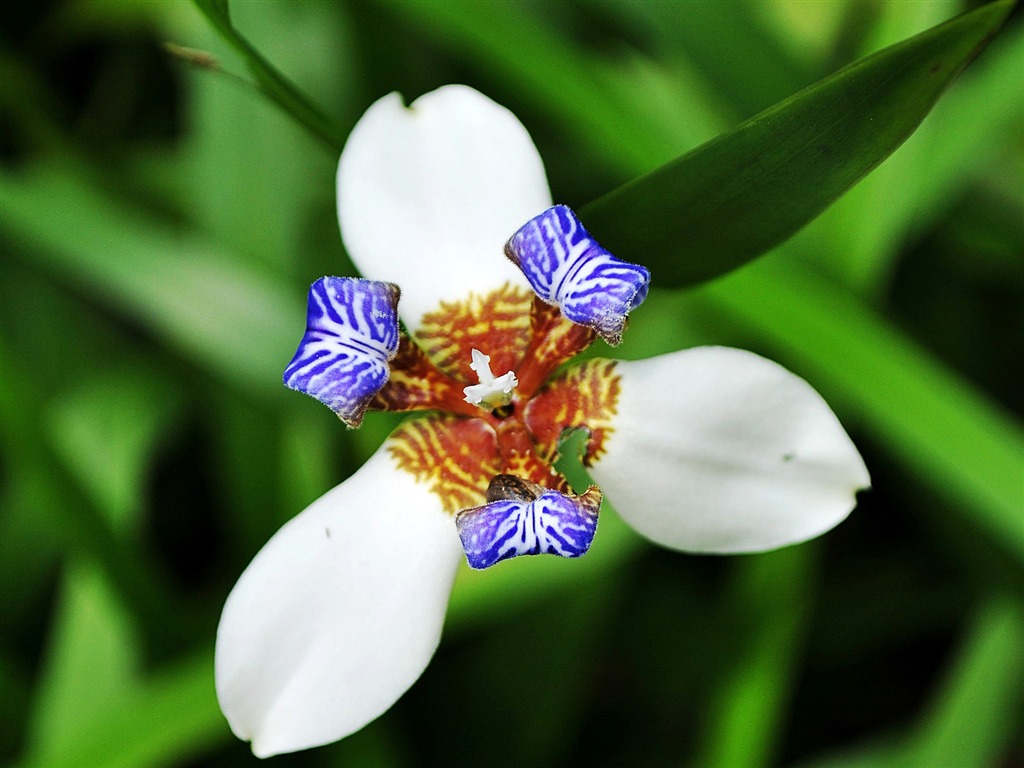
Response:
column 551, row 523
column 351, row 334
column 568, row 268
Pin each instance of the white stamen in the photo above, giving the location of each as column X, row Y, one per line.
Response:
column 491, row 392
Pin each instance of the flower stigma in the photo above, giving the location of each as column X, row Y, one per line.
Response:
column 491, row 392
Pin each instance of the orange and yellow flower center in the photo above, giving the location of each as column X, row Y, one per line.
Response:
column 458, row 450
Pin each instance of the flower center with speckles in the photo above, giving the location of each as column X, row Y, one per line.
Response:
column 488, row 426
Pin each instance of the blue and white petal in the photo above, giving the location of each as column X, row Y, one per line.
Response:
column 433, row 190
column 568, row 268
column 719, row 450
column 351, row 334
column 339, row 613
column 550, row 523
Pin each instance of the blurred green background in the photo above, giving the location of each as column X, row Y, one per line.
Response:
column 160, row 224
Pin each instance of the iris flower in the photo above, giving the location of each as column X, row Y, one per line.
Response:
column 709, row 449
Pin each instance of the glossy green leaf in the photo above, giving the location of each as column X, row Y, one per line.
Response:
column 860, row 236
column 739, row 195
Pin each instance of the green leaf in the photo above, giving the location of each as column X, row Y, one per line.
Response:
column 859, row 238
column 62, row 511
column 93, row 709
column 743, row 63
column 739, row 195
column 220, row 7
column 570, row 84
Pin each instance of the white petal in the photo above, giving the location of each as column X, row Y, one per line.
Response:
column 338, row 614
column 720, row 450
column 428, row 195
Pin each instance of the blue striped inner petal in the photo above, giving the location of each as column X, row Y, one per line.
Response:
column 568, row 268
column 551, row 523
column 351, row 334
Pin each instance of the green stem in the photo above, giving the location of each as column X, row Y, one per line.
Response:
column 270, row 81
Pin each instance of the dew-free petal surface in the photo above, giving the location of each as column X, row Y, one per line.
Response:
column 719, row 450
column 338, row 614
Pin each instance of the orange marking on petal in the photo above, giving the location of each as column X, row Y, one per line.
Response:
column 456, row 456
column 530, row 466
column 583, row 396
column 553, row 340
column 497, row 324
column 415, row 383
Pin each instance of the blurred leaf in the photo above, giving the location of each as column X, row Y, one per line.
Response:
column 270, row 81
column 106, row 431
column 972, row 722
column 30, row 542
column 170, row 718
column 307, row 459
column 732, row 199
column 891, row 22
column 92, row 709
column 91, row 665
column 771, row 591
column 569, row 82
column 60, row 509
column 742, row 62
column 245, row 460
column 932, row 420
column 887, row 752
column 249, row 174
column 234, row 318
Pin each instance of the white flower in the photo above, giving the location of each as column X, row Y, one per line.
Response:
column 703, row 450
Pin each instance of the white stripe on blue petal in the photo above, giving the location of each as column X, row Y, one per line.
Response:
column 351, row 334
column 549, row 523
column 569, row 269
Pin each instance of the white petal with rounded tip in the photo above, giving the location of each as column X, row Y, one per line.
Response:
column 338, row 614
column 428, row 195
column 720, row 450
